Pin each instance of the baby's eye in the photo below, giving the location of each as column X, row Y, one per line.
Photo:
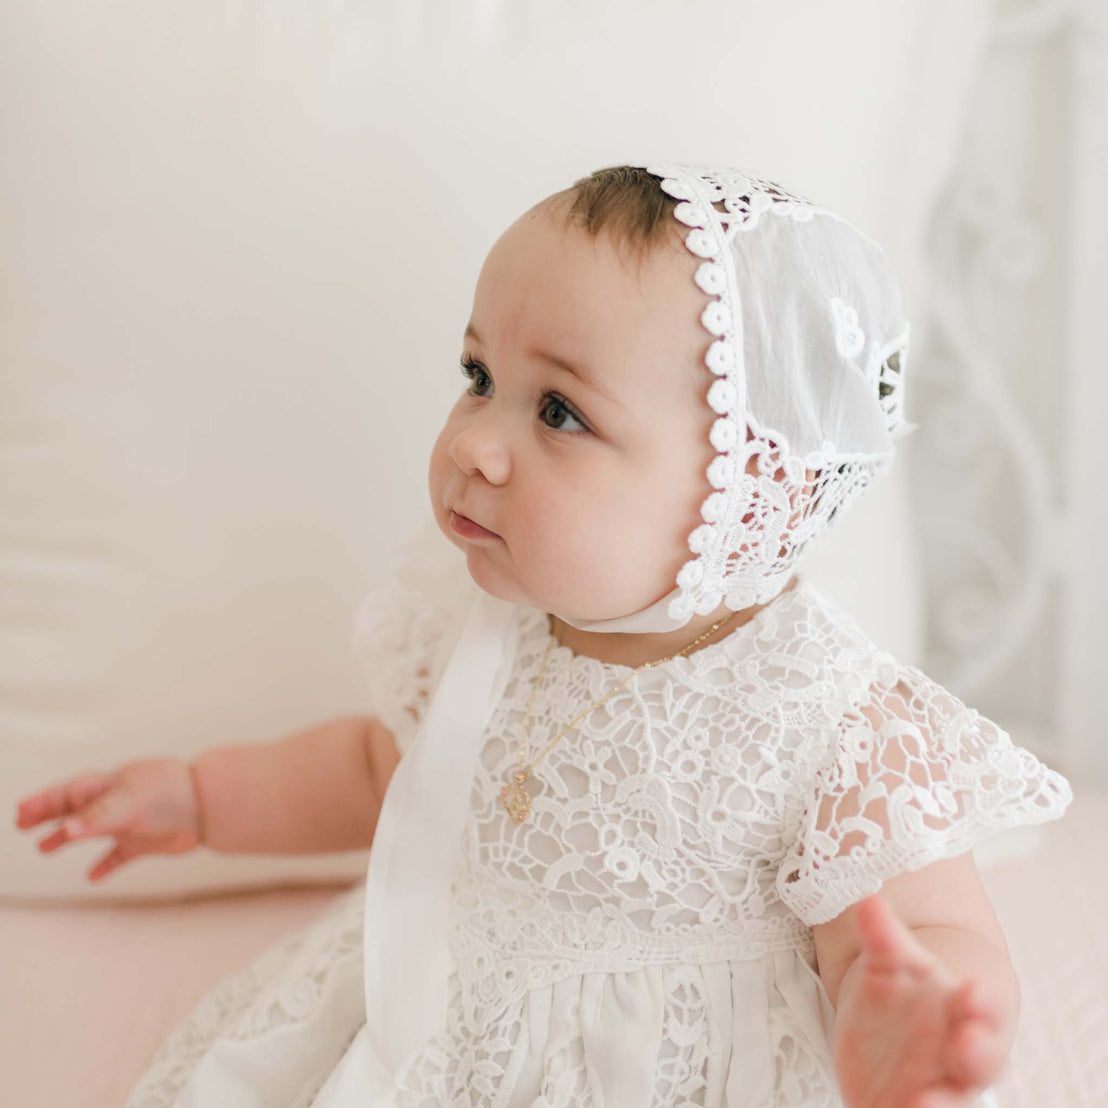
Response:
column 559, row 411
column 477, row 375
column 554, row 411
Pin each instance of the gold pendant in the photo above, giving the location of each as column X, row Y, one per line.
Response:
column 516, row 798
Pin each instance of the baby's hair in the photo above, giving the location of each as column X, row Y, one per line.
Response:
column 625, row 201
column 629, row 204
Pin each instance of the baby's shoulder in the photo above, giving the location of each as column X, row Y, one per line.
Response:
column 810, row 651
column 819, row 618
column 874, row 686
column 887, row 718
column 407, row 626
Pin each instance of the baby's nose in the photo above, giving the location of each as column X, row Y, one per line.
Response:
column 481, row 448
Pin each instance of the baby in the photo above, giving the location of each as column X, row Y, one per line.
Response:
column 653, row 822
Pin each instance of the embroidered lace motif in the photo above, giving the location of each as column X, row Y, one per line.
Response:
column 460, row 1071
column 653, row 831
column 282, row 987
column 699, row 822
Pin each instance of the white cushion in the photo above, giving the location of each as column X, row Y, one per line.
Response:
column 240, row 248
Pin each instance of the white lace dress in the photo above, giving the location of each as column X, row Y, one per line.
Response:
column 644, row 939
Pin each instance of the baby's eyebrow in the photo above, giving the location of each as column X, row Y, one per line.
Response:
column 584, row 376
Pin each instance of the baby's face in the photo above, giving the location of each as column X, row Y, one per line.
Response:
column 587, row 484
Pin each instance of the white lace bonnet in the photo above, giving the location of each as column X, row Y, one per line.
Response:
column 808, row 350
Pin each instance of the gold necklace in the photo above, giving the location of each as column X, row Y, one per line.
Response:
column 516, row 798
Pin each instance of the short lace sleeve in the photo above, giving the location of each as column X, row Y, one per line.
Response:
column 405, row 630
column 912, row 776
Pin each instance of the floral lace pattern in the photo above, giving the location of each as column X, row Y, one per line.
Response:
column 912, row 776
column 683, row 840
column 283, row 987
column 652, row 829
column 662, row 829
column 693, row 1031
column 849, row 336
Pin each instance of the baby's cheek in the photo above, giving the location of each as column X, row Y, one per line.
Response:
column 566, row 544
column 437, row 469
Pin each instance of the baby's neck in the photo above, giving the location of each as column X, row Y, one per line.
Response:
column 619, row 648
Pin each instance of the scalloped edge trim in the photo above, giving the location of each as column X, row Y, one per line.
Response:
column 708, row 240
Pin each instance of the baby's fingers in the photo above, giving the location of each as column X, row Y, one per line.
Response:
column 886, row 940
column 112, row 860
column 975, row 1055
column 58, row 838
column 946, row 1098
column 966, row 1003
column 60, row 800
column 109, row 813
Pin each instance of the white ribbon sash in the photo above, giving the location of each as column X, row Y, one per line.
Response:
column 414, row 858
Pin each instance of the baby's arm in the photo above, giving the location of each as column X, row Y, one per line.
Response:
column 909, row 948
column 926, row 999
column 317, row 791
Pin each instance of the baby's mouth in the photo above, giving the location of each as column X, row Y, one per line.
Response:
column 468, row 528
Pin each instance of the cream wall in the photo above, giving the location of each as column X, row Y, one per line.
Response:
column 239, row 247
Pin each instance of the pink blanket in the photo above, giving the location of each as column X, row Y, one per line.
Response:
column 88, row 993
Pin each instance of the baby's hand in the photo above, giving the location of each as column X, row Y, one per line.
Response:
column 907, row 1033
column 149, row 807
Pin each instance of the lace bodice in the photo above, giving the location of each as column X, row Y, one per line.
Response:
column 719, row 805
column 653, row 832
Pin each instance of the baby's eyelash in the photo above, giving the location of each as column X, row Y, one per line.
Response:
column 471, row 368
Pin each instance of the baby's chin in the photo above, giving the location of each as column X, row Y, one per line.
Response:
column 493, row 578
column 490, row 570
column 487, row 576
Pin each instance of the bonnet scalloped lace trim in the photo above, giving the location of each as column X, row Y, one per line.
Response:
column 755, row 524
